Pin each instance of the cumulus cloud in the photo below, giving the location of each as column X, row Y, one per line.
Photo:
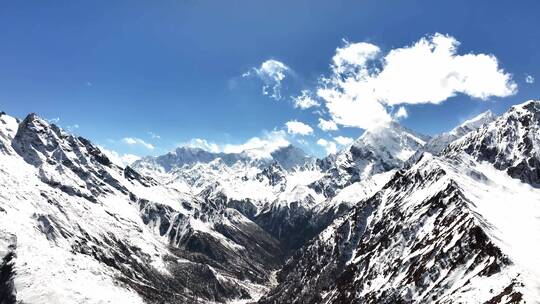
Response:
column 364, row 82
column 119, row 159
column 529, row 79
column 329, row 146
column 298, row 128
column 202, row 144
column 342, row 140
column 327, row 125
column 260, row 146
column 137, row 141
column 271, row 73
column 353, row 55
column 401, row 113
column 305, row 100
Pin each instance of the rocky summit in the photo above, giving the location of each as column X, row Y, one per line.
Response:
column 394, row 217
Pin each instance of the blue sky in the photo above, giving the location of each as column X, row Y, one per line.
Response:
column 142, row 77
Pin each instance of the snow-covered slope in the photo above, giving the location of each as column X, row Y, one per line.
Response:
column 370, row 224
column 443, row 231
column 76, row 228
column 439, row 142
column 289, row 157
column 378, row 150
column 510, row 143
column 450, row 229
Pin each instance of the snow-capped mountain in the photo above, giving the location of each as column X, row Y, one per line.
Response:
column 289, row 157
column 76, row 228
column 442, row 231
column 381, row 221
column 439, row 142
column 448, row 229
column 378, row 150
column 510, row 143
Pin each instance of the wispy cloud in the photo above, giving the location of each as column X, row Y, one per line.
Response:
column 154, row 135
column 119, row 159
column 305, row 100
column 342, row 140
column 271, row 72
column 72, row 128
column 329, row 146
column 258, row 146
column 529, row 79
column 261, row 146
column 137, row 141
column 201, row 144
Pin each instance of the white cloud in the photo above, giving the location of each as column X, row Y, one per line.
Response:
column 363, row 82
column 329, row 146
column 202, row 144
column 401, row 113
column 154, row 135
column 121, row 160
column 352, row 56
column 305, row 100
column 137, row 141
column 260, row 146
column 327, row 125
column 298, row 128
column 55, row 120
column 72, row 128
column 342, row 140
column 529, row 79
column 272, row 73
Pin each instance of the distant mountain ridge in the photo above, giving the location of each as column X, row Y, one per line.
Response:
column 439, row 142
column 289, row 157
column 393, row 217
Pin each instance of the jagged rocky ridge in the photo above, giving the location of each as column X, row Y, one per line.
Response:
column 379, row 222
column 71, row 218
column 511, row 143
column 446, row 229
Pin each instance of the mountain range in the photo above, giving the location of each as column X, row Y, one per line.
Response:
column 394, row 217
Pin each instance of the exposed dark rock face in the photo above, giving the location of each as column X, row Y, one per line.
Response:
column 416, row 247
column 133, row 175
column 511, row 143
column 418, row 239
column 250, row 252
column 291, row 157
column 274, row 174
column 7, row 273
column 288, row 157
column 379, row 150
column 292, row 225
column 41, row 144
column 7, row 290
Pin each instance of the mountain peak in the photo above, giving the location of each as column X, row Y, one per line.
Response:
column 438, row 143
column 510, row 143
column 288, row 157
column 530, row 105
column 479, row 119
column 393, row 139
